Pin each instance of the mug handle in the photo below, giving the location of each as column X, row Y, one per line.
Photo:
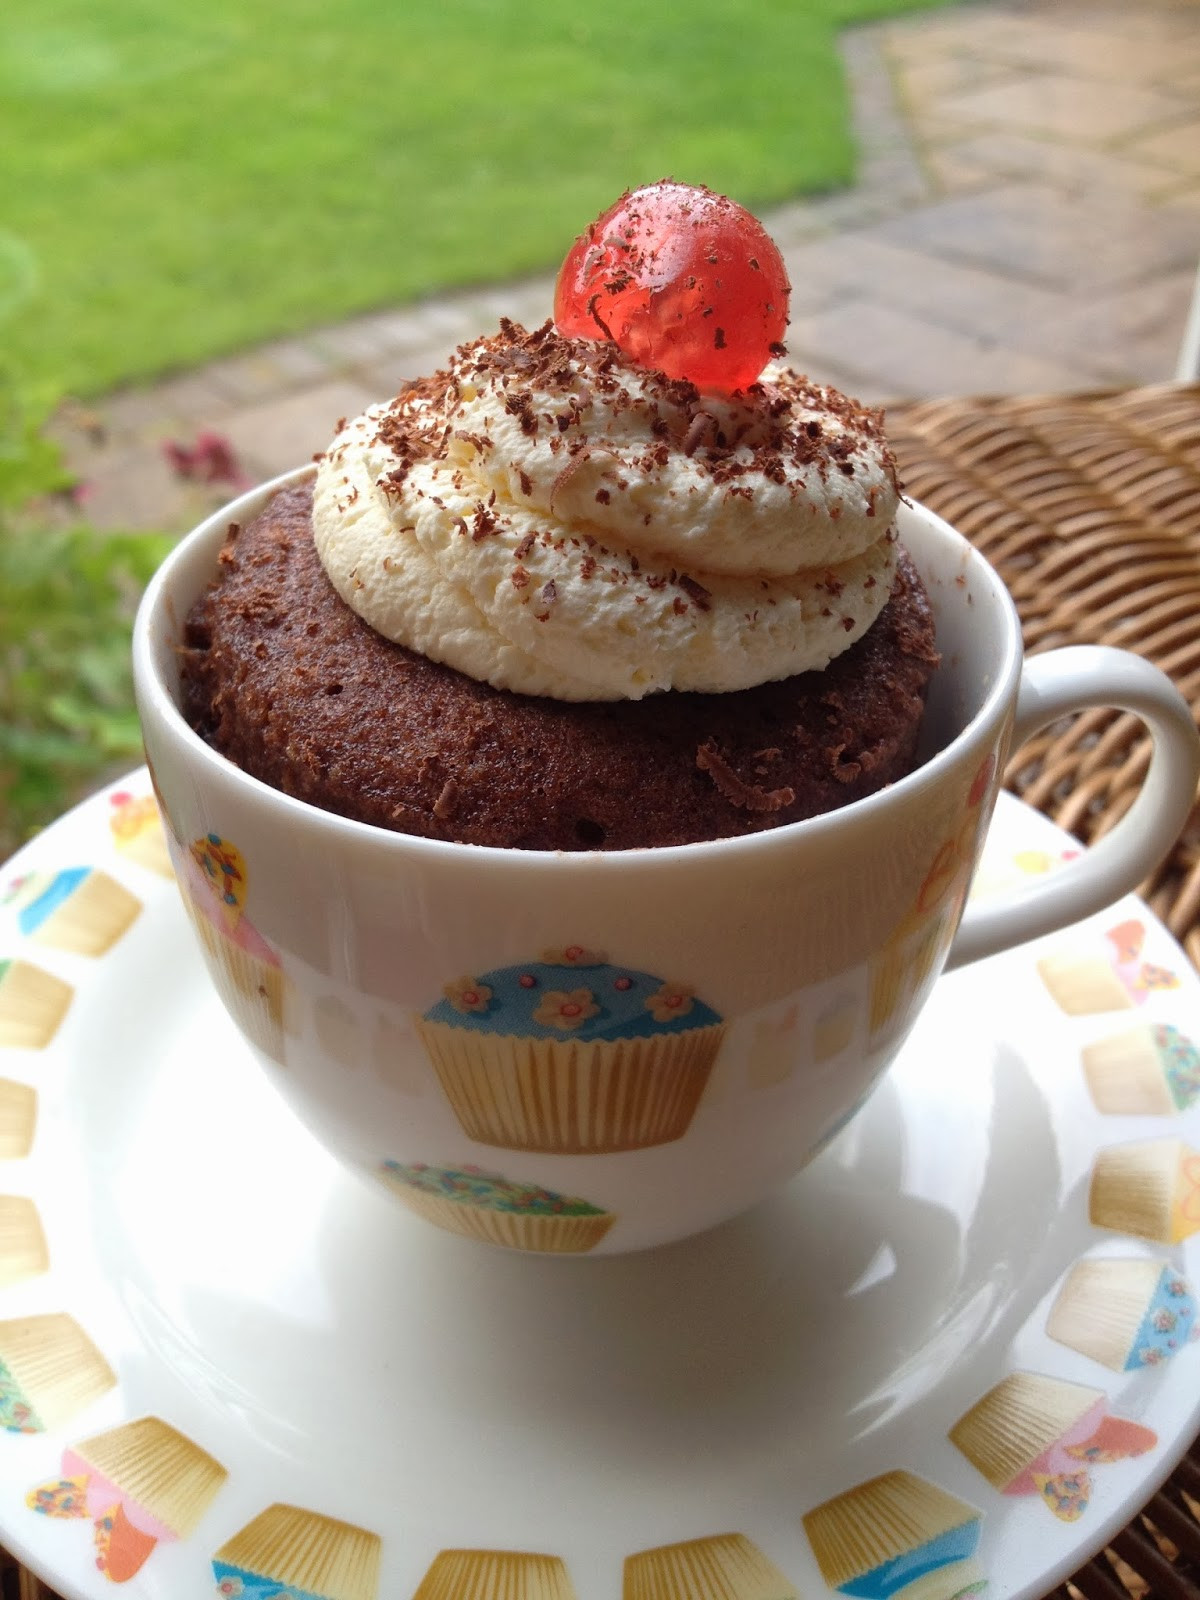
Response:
column 1054, row 685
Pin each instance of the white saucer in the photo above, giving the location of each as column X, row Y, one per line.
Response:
column 310, row 1345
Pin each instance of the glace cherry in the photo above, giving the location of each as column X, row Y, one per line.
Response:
column 683, row 280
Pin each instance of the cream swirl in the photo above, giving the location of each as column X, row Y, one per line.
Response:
column 549, row 519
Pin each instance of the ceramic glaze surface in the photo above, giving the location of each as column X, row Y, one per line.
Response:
column 219, row 1315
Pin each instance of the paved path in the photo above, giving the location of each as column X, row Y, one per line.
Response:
column 1027, row 219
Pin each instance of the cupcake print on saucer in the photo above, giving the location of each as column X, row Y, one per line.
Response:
column 571, row 1055
column 49, row 1371
column 491, row 1574
column 897, row 1535
column 137, row 831
column 1150, row 1189
column 1111, row 977
column 32, row 1005
column 1033, row 1435
column 1125, row 1313
column 243, row 965
column 79, row 909
column 1152, row 1071
column 141, row 1484
column 288, row 1552
column 724, row 1566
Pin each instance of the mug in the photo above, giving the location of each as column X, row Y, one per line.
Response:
column 601, row 1051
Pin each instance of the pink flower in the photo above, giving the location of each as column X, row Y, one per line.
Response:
column 211, row 459
column 573, row 955
column 565, row 1009
column 465, row 995
column 670, row 1001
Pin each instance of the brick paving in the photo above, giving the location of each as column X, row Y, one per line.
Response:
column 1027, row 219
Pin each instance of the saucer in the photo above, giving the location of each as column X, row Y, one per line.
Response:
column 955, row 1353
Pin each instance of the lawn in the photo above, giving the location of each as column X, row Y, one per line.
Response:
column 177, row 181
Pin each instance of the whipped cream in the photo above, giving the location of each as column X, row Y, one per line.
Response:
column 547, row 518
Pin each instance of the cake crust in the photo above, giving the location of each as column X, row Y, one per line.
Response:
column 287, row 682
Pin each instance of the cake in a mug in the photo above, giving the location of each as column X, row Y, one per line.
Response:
column 621, row 580
column 571, row 1054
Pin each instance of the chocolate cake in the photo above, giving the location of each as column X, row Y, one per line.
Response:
column 284, row 679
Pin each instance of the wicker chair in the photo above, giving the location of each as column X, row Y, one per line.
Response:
column 1089, row 506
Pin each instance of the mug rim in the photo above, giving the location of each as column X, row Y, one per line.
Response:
column 155, row 699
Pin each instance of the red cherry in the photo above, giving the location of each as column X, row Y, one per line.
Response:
column 683, row 280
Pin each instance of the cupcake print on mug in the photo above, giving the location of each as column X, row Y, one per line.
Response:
column 484, row 1205
column 244, row 967
column 572, row 1055
column 918, row 941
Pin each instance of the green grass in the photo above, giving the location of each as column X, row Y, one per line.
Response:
column 177, row 181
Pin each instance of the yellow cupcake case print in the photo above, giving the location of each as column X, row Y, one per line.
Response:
column 1126, row 1313
column 724, row 1566
column 1150, row 1189
column 18, row 1119
column 1149, row 1071
column 897, row 1535
column 136, row 826
column 33, row 1004
column 23, row 1252
column 1110, row 976
column 246, row 970
column 483, row 1205
column 1033, row 1435
column 78, row 909
column 571, row 1054
column 495, row 1575
column 287, row 1553
column 140, row 1485
column 49, row 1372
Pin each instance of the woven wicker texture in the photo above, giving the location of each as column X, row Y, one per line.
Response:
column 1089, row 506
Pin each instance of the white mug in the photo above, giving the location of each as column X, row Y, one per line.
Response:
column 597, row 1052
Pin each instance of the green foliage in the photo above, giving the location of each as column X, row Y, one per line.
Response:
column 179, row 181
column 67, row 598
